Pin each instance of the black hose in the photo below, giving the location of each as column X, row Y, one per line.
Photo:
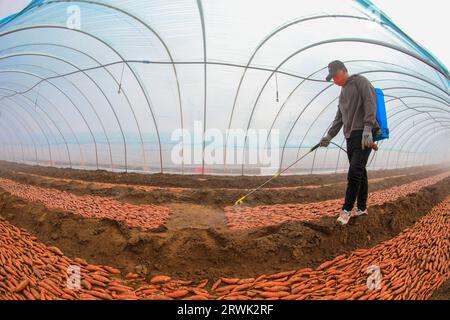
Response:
column 339, row 146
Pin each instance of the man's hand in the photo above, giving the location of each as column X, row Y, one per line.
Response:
column 325, row 141
column 367, row 138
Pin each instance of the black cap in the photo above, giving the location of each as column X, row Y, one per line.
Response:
column 333, row 67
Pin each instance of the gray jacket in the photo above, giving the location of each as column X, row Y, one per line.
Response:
column 357, row 107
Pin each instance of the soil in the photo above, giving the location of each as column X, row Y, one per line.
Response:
column 214, row 191
column 211, row 251
column 197, row 181
column 443, row 293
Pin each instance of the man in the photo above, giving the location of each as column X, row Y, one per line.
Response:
column 357, row 114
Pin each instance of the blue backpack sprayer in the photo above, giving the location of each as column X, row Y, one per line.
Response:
column 382, row 132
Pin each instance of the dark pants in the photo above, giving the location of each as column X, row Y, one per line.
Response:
column 357, row 182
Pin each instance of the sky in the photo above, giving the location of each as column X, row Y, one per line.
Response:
column 8, row 7
column 412, row 16
column 424, row 21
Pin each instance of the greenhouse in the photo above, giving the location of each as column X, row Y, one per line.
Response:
column 118, row 85
column 223, row 150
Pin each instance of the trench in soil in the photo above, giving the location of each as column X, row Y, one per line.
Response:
column 215, row 191
column 196, row 244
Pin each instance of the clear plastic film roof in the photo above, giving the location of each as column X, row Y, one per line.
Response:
column 163, row 86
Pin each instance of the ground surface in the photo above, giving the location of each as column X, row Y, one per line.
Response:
column 184, row 227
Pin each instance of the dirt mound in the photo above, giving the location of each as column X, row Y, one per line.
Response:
column 443, row 293
column 211, row 191
column 198, row 181
column 194, row 253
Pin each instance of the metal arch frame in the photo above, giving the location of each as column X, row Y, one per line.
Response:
column 46, row 128
column 205, row 73
column 11, row 151
column 402, row 80
column 337, row 163
column 415, row 108
column 41, row 127
column 433, row 130
column 347, row 61
column 389, row 151
column 378, row 80
column 312, row 167
column 296, row 120
column 426, row 126
column 442, row 120
column 313, row 122
column 19, row 141
column 394, row 126
column 434, row 147
column 261, row 44
column 84, row 96
column 433, row 136
column 44, row 122
column 55, row 109
column 409, row 153
column 266, row 39
column 374, row 157
column 300, row 114
column 48, row 116
column 417, row 89
column 425, row 142
column 112, row 49
column 423, row 97
column 338, row 159
column 5, row 106
column 148, row 27
column 7, row 152
column 401, row 100
column 404, row 143
column 408, row 107
column 383, row 71
column 315, row 153
column 234, row 65
column 279, row 29
column 76, row 108
column 382, row 142
column 370, row 71
column 111, row 75
column 422, row 140
column 413, row 76
column 33, row 119
column 88, row 76
column 419, row 104
column 28, row 133
column 276, row 31
column 395, row 79
column 69, row 99
column 365, row 41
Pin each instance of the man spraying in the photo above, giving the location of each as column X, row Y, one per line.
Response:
column 357, row 114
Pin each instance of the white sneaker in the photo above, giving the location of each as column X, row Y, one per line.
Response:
column 344, row 217
column 357, row 212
